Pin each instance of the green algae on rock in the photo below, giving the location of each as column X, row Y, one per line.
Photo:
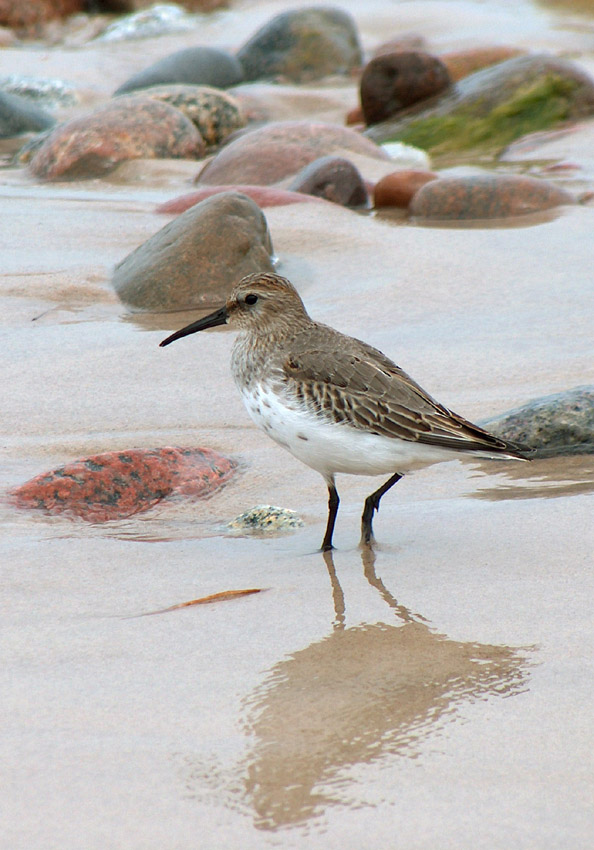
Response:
column 491, row 108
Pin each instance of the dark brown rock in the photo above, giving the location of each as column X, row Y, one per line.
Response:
column 398, row 188
column 264, row 196
column 125, row 128
column 486, row 197
column 116, row 485
column 199, row 66
column 396, row 80
column 333, row 178
column 281, row 149
column 303, row 44
column 195, row 259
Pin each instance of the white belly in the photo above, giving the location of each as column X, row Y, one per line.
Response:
column 330, row 448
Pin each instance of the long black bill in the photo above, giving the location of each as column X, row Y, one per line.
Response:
column 219, row 317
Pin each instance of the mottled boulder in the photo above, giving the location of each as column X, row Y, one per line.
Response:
column 559, row 424
column 127, row 128
column 195, row 259
column 303, row 44
column 116, row 485
column 486, row 196
column 27, row 17
column 199, row 66
column 489, row 109
column 214, row 112
column 461, row 63
column 18, row 115
column 264, row 196
column 398, row 188
column 44, row 92
column 281, row 149
column 333, row 178
column 393, row 81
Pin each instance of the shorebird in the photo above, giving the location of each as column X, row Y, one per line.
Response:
column 336, row 403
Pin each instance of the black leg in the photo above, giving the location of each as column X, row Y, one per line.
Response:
column 371, row 505
column 333, row 503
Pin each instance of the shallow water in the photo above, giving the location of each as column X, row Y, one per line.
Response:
column 437, row 696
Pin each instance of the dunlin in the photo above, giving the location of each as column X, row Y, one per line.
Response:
column 334, row 402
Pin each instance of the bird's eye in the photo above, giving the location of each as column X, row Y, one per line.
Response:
column 251, row 298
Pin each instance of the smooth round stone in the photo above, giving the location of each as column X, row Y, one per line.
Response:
column 333, row 178
column 214, row 112
column 279, row 150
column 266, row 518
column 486, row 197
column 559, row 424
column 394, row 81
column 18, row 115
column 127, row 128
column 200, row 66
column 116, row 485
column 195, row 259
column 264, row 196
column 398, row 188
column 303, row 44
column 461, row 63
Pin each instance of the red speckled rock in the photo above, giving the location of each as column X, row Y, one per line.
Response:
column 116, row 485
column 125, row 128
column 264, row 196
column 27, row 17
column 281, row 149
column 393, row 81
column 486, row 196
column 398, row 189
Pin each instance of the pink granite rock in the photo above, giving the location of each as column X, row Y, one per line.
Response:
column 264, row 196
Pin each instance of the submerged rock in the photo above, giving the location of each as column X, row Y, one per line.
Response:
column 200, row 66
column 559, row 424
column 490, row 108
column 215, row 113
column 127, row 128
column 116, row 485
column 303, row 44
column 18, row 115
column 279, row 150
column 486, row 196
column 267, row 518
column 393, row 81
column 333, row 178
column 195, row 259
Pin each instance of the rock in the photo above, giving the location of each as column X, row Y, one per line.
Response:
column 405, row 41
column 116, row 485
column 123, row 6
column 264, row 196
column 303, row 44
column 559, row 424
column 279, row 150
column 18, row 116
column 355, row 117
column 394, row 81
column 199, row 66
column 333, row 178
column 214, row 112
column 27, row 17
column 398, row 188
column 50, row 93
column 127, row 128
column 159, row 19
column 407, row 156
column 486, row 196
column 266, row 518
column 195, row 259
column 490, row 108
column 461, row 63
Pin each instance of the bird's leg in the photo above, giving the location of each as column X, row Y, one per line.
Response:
column 371, row 505
column 333, row 503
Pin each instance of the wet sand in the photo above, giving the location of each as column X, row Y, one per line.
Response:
column 437, row 696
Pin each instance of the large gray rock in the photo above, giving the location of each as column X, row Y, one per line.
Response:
column 303, row 44
column 194, row 260
column 18, row 115
column 560, row 424
column 200, row 66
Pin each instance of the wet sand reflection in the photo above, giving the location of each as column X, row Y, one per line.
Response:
column 359, row 695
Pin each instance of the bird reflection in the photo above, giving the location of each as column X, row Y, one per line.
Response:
column 359, row 695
